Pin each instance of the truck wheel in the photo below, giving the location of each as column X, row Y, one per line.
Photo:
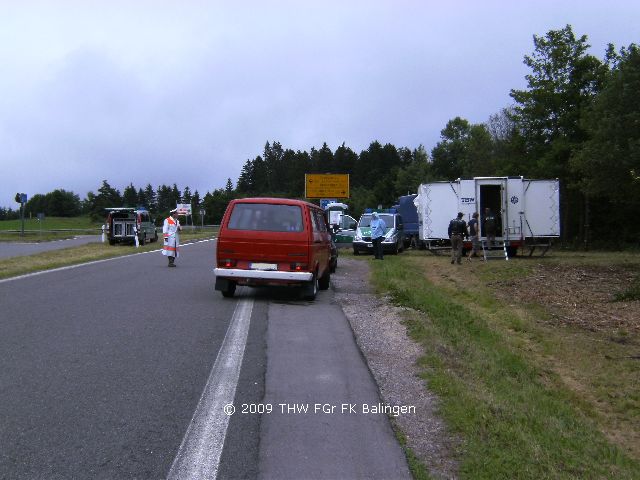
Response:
column 333, row 266
column 512, row 252
column 323, row 282
column 230, row 290
column 311, row 288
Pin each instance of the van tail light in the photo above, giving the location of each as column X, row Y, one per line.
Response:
column 227, row 263
column 299, row 267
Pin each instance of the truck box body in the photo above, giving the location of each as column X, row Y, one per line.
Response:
column 524, row 208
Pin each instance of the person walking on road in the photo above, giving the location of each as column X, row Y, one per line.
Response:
column 474, row 235
column 170, row 230
column 457, row 232
column 378, row 228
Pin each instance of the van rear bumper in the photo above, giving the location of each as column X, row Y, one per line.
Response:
column 263, row 274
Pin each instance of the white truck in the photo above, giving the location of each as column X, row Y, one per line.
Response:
column 528, row 211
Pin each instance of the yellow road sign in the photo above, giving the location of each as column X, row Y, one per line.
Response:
column 326, row 185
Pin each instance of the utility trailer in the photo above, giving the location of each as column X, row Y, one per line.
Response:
column 527, row 211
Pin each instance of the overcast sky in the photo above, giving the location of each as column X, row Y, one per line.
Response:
column 185, row 92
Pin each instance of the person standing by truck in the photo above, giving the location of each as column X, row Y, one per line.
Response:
column 378, row 228
column 474, row 235
column 457, row 232
column 170, row 230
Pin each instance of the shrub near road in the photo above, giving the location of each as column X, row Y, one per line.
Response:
column 534, row 389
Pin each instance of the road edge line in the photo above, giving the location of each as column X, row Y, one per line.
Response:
column 201, row 448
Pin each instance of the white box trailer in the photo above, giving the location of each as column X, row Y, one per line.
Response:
column 528, row 211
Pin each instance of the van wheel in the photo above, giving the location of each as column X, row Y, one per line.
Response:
column 143, row 240
column 311, row 289
column 325, row 280
column 155, row 236
column 112, row 242
column 356, row 252
column 230, row 290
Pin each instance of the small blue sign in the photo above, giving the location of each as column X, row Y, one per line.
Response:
column 23, row 198
column 326, row 201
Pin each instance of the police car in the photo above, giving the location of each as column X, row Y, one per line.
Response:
column 393, row 237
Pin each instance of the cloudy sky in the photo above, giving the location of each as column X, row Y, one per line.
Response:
column 186, row 91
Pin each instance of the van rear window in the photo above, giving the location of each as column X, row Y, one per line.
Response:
column 266, row 217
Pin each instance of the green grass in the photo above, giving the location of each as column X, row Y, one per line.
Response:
column 51, row 223
column 36, row 231
column 490, row 365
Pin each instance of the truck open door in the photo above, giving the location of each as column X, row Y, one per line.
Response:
column 437, row 204
column 542, row 208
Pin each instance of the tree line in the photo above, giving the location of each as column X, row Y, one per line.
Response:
column 577, row 120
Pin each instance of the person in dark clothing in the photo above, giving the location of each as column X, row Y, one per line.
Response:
column 490, row 224
column 474, row 235
column 457, row 231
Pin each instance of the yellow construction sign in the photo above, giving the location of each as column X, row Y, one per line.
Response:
column 326, row 185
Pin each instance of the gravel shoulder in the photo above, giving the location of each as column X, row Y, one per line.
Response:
column 392, row 356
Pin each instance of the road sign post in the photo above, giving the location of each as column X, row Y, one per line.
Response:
column 21, row 198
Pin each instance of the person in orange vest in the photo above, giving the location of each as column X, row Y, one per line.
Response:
column 170, row 230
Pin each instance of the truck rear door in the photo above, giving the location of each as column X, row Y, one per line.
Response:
column 542, row 208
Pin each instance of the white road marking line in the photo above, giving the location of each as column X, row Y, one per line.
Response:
column 201, row 449
column 78, row 265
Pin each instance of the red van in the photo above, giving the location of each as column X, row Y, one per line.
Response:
column 273, row 241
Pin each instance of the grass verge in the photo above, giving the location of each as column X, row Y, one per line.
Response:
column 499, row 374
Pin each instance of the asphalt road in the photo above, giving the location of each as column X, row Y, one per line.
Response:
column 107, row 373
column 16, row 249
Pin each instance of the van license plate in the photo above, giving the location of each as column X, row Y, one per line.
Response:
column 263, row 266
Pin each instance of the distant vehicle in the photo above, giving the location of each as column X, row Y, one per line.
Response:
column 394, row 234
column 273, row 241
column 527, row 211
column 343, row 226
column 407, row 208
column 346, row 229
column 124, row 224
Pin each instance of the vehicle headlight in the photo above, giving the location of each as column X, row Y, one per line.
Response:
column 358, row 237
column 391, row 236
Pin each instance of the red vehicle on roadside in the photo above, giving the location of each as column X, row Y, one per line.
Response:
column 273, row 241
